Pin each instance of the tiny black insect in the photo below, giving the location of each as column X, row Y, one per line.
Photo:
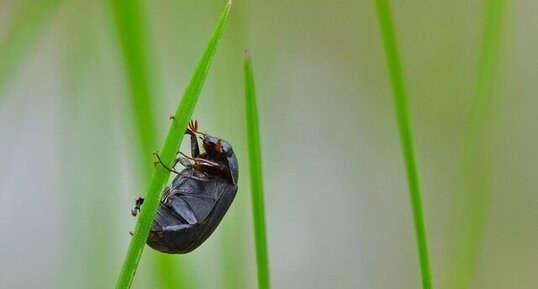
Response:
column 199, row 196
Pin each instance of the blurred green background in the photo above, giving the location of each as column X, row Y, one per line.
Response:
column 78, row 124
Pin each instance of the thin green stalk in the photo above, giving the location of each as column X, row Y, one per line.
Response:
column 256, row 179
column 399, row 95
column 171, row 144
column 135, row 46
column 474, row 176
column 22, row 35
column 234, row 232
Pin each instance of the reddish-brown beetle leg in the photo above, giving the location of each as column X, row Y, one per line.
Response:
column 165, row 166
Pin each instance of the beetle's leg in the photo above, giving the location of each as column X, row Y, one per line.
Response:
column 136, row 209
column 191, row 130
column 165, row 166
column 167, row 194
column 204, row 162
column 193, row 126
column 184, row 162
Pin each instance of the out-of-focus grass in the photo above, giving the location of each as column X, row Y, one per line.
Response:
column 170, row 146
column 134, row 43
column 441, row 49
column 406, row 138
column 256, row 179
column 474, row 176
column 133, row 37
column 22, row 35
column 225, row 112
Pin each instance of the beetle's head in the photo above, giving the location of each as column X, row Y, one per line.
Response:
column 216, row 147
column 221, row 151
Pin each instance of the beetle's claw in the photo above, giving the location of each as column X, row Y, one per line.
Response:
column 193, row 129
column 131, row 233
column 172, row 117
column 193, row 126
column 158, row 161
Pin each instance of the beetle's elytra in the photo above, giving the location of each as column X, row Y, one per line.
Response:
column 199, row 196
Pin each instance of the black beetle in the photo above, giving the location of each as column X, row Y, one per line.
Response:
column 199, row 196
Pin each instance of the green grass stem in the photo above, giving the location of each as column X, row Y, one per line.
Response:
column 171, row 144
column 474, row 175
column 256, row 179
column 135, row 47
column 131, row 31
column 399, row 95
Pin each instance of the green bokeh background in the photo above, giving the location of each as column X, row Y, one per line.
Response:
column 337, row 207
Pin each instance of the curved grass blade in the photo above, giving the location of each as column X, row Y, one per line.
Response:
column 256, row 179
column 399, row 95
column 171, row 144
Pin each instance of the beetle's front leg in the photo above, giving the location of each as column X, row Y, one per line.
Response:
column 184, row 162
column 191, row 130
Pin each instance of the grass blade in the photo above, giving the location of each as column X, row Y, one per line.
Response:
column 130, row 27
column 399, row 95
column 171, row 144
column 135, row 47
column 256, row 179
column 475, row 173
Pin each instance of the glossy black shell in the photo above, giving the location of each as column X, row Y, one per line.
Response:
column 192, row 211
column 193, row 206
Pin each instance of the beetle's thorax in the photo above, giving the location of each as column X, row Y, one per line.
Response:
column 220, row 151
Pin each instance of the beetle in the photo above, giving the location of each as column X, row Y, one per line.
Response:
column 193, row 205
